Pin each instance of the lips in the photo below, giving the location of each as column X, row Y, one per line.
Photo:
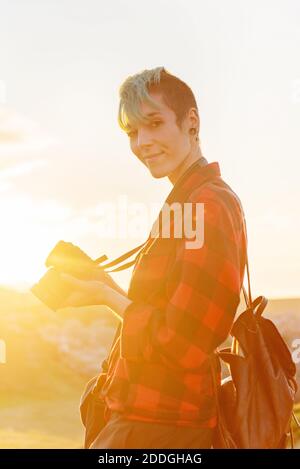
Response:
column 152, row 157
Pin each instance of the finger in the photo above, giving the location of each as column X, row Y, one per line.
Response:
column 70, row 280
column 70, row 301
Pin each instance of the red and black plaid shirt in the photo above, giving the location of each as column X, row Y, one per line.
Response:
column 183, row 306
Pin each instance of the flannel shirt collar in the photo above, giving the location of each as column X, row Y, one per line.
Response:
column 197, row 172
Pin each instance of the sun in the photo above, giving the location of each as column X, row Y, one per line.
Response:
column 25, row 240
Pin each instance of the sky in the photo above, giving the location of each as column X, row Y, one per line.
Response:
column 63, row 156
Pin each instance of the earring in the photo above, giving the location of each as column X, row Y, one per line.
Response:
column 193, row 131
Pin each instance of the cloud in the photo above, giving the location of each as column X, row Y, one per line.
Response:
column 19, row 134
column 20, row 169
column 21, row 140
column 8, row 175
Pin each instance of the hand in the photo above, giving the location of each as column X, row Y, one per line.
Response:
column 108, row 280
column 86, row 292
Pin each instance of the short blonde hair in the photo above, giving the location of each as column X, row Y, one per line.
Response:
column 176, row 94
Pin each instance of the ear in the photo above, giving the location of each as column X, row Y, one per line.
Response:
column 193, row 118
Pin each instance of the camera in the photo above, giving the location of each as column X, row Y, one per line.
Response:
column 68, row 258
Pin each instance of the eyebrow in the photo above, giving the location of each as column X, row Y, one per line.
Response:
column 153, row 114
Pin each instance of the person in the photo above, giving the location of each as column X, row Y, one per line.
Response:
column 181, row 301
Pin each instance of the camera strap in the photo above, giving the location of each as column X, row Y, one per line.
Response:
column 179, row 192
column 120, row 259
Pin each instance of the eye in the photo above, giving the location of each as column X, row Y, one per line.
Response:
column 155, row 123
column 132, row 133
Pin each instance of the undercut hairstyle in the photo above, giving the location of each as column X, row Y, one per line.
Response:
column 177, row 95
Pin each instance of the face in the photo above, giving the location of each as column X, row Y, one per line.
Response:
column 160, row 144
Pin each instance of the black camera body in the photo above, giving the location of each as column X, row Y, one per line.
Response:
column 68, row 258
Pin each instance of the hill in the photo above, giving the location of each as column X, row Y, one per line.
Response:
column 50, row 356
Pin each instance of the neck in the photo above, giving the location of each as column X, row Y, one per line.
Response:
column 191, row 158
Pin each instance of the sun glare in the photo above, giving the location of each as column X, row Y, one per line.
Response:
column 25, row 238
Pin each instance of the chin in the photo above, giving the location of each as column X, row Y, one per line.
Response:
column 161, row 171
column 158, row 174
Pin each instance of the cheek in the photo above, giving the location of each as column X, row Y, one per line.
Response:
column 183, row 142
column 134, row 150
column 178, row 144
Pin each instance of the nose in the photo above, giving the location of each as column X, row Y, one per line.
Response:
column 143, row 138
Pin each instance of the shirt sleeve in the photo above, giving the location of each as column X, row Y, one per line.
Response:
column 203, row 293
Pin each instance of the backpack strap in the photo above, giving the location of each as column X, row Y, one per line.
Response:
column 248, row 297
